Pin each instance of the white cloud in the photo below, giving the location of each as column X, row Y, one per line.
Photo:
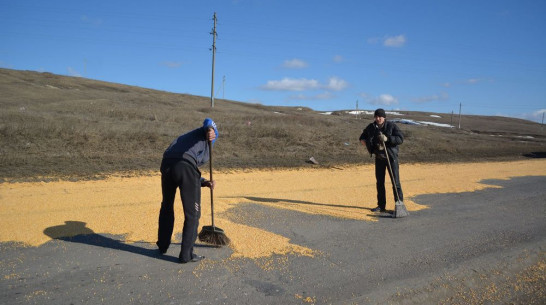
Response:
column 303, row 84
column 395, row 41
column 291, row 84
column 538, row 115
column 436, row 97
column 469, row 81
column 535, row 116
column 320, row 96
column 336, row 84
column 389, row 41
column 295, row 64
column 384, row 100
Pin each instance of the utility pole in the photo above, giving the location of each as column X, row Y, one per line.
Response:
column 213, row 33
column 223, row 87
column 460, row 106
column 451, row 118
column 356, row 109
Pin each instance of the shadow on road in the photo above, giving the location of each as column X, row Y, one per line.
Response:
column 275, row 200
column 77, row 232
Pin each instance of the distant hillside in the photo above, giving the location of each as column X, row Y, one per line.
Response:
column 62, row 126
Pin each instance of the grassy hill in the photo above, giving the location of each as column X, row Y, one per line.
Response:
column 58, row 126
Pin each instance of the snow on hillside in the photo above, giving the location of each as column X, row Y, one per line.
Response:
column 401, row 121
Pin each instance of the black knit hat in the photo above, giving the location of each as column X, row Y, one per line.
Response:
column 380, row 112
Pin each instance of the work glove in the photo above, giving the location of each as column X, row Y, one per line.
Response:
column 383, row 137
column 207, row 183
column 209, row 123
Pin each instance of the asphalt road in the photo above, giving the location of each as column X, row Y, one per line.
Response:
column 485, row 247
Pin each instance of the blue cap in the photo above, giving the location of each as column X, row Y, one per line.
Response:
column 209, row 123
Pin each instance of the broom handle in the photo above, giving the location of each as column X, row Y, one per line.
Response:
column 211, row 194
column 393, row 179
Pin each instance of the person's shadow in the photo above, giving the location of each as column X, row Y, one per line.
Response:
column 77, row 232
column 387, row 214
column 290, row 201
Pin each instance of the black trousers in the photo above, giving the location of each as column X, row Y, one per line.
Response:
column 380, row 168
column 185, row 176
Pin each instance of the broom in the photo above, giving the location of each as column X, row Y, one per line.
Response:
column 211, row 234
column 399, row 207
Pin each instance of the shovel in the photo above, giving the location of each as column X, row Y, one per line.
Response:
column 399, row 207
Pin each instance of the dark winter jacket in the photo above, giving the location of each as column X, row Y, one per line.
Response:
column 394, row 138
column 191, row 146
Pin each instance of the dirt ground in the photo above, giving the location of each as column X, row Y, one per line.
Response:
column 129, row 206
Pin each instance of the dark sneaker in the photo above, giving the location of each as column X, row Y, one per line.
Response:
column 378, row 209
column 195, row 259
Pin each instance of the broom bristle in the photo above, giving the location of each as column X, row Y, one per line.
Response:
column 214, row 236
column 400, row 210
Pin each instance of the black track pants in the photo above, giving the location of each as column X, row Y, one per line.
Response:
column 380, row 168
column 185, row 176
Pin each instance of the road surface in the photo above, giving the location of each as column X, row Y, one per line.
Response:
column 482, row 247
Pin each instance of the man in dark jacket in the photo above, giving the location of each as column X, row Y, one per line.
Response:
column 375, row 136
column 179, row 169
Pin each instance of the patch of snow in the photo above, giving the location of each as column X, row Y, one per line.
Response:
column 392, row 113
column 436, row 124
column 371, row 112
column 407, row 122
column 360, row 112
column 435, row 116
column 326, row 113
column 412, row 122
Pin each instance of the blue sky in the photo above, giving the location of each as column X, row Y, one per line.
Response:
column 488, row 56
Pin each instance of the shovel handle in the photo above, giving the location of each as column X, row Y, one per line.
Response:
column 393, row 179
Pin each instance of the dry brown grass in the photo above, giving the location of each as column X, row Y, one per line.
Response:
column 73, row 127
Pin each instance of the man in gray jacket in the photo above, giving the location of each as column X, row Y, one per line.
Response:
column 375, row 136
column 179, row 169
